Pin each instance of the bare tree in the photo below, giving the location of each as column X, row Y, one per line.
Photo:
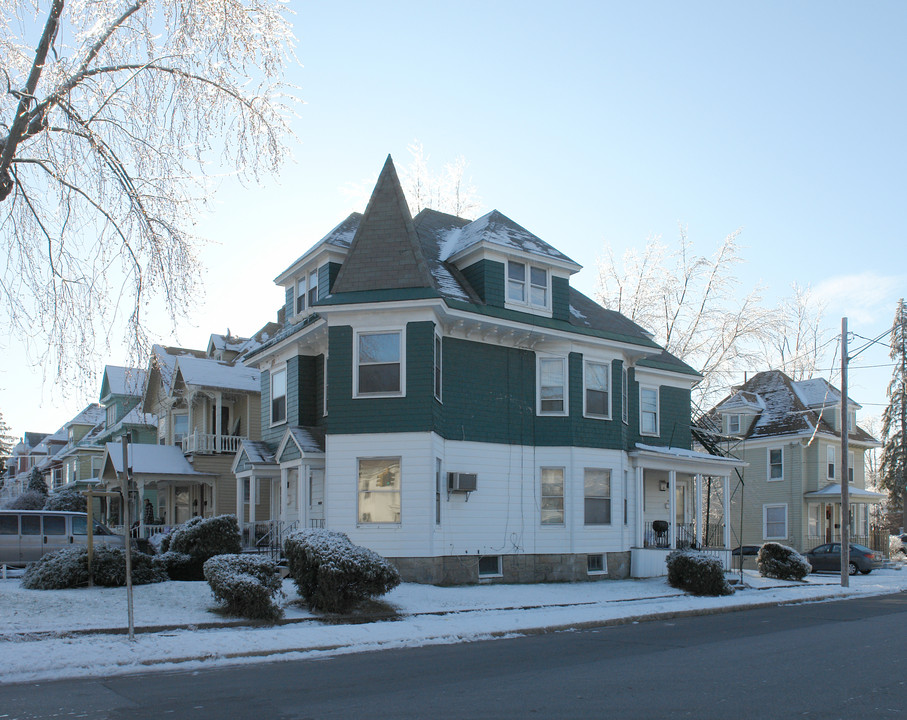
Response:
column 796, row 340
column 115, row 120
column 450, row 191
column 692, row 305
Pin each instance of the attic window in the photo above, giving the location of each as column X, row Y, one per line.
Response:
column 733, row 424
column 536, row 295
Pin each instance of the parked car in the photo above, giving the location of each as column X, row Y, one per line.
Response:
column 828, row 557
column 26, row 535
column 746, row 550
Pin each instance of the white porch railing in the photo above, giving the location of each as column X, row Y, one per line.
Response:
column 210, row 443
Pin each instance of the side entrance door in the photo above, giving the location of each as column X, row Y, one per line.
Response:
column 316, row 497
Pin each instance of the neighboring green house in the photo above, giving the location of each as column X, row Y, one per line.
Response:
column 122, row 390
column 440, row 393
column 789, row 434
column 80, row 459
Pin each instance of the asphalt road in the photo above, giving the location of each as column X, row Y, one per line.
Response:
column 825, row 660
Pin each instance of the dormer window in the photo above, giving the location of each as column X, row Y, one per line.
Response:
column 300, row 296
column 733, row 424
column 527, row 285
column 111, row 415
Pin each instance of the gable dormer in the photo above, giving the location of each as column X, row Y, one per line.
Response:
column 311, row 276
column 510, row 267
column 739, row 412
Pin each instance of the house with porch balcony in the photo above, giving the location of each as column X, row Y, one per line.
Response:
column 789, row 434
column 441, row 394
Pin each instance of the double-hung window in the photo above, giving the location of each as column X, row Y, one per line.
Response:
column 850, row 461
column 598, row 402
column 527, row 285
column 597, row 496
column 775, row 464
column 774, row 522
column 379, row 363
column 552, row 386
column 279, row 396
column 300, row 296
column 180, row 427
column 648, row 411
column 313, row 288
column 552, row 510
column 379, row 490
column 733, row 424
column 625, row 395
column 830, row 461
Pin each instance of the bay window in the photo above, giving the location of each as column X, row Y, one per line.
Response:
column 379, row 363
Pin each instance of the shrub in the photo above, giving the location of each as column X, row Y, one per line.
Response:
column 896, row 548
column 332, row 574
column 37, row 482
column 108, row 567
column 29, row 500
column 782, row 562
column 697, row 573
column 68, row 499
column 200, row 539
column 67, row 568
column 179, row 566
column 245, row 585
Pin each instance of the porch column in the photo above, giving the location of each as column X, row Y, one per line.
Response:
column 218, row 422
column 640, row 529
column 239, row 505
column 726, row 508
column 140, row 488
column 672, row 511
column 697, row 482
column 284, row 494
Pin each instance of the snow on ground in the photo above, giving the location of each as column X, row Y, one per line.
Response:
column 48, row 635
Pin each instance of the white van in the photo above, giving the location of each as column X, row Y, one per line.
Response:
column 26, row 535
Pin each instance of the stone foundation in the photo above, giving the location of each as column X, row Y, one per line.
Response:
column 464, row 569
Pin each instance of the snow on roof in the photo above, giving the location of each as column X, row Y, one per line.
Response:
column 256, row 451
column 125, row 380
column 164, row 358
column 91, row 415
column 818, row 392
column 833, row 490
column 137, row 417
column 206, row 372
column 227, row 342
column 149, row 459
column 685, row 454
column 309, row 440
column 340, row 236
column 495, row 228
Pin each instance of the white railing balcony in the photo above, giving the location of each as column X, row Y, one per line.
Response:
column 210, row 443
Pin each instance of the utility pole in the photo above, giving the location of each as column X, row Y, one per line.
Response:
column 126, row 500
column 845, row 480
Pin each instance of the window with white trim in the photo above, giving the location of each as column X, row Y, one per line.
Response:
column 528, row 285
column 774, row 522
column 379, row 491
column 596, row 496
column 850, row 462
column 552, row 492
column 437, row 367
column 814, row 523
column 379, row 363
column 300, row 295
column 595, row 564
column 111, row 412
column 625, row 395
column 180, row 427
column 830, row 461
column 597, row 398
column 279, row 396
column 247, row 491
column 552, row 388
column 775, row 464
column 733, row 424
column 313, row 288
column 490, row 566
column 648, row 411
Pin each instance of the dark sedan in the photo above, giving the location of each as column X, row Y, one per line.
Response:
column 828, row 557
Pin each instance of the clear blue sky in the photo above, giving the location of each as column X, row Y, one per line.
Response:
column 591, row 124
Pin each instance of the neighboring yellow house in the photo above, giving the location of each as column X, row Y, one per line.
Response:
column 789, row 434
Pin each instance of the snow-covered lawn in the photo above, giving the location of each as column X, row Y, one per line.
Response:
column 46, row 634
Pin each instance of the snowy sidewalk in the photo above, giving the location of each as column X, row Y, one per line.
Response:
column 80, row 633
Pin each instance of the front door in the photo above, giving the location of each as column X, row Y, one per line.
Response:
column 292, row 509
column 316, row 497
column 182, row 505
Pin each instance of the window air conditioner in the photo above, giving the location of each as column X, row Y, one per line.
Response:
column 461, row 482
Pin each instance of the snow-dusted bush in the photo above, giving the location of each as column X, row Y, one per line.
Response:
column 782, row 562
column 29, row 500
column 108, row 567
column 69, row 499
column 67, row 568
column 332, row 574
column 178, row 566
column 201, row 539
column 896, row 549
column 37, row 482
column 698, row 573
column 245, row 585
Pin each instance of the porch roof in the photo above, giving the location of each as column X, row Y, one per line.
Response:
column 690, row 461
column 151, row 463
column 832, row 493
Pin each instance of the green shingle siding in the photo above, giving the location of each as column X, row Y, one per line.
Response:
column 290, row 452
column 290, row 298
column 326, row 275
column 560, row 299
column 487, row 278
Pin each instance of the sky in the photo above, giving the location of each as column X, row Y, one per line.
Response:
column 593, row 125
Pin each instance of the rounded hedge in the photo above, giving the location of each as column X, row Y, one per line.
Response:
column 782, row 562
column 245, row 585
column 698, row 573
